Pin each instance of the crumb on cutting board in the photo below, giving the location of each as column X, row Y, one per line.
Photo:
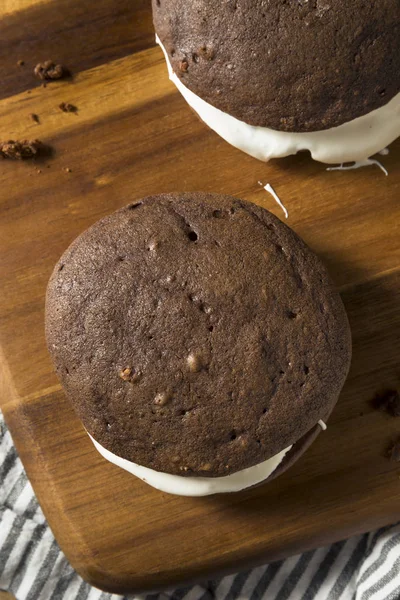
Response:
column 21, row 150
column 50, row 70
column 387, row 401
column 393, row 451
column 67, row 107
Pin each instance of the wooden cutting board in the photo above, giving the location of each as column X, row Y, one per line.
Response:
column 133, row 135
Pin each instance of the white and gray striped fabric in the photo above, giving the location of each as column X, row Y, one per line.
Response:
column 32, row 567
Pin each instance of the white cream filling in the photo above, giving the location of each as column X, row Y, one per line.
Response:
column 196, row 486
column 354, row 141
column 361, row 163
column 268, row 188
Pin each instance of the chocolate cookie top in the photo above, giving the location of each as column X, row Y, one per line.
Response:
column 196, row 334
column 297, row 65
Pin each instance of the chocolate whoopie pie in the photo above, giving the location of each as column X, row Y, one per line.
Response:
column 199, row 339
column 291, row 66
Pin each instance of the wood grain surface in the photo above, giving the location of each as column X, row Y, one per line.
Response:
column 133, row 135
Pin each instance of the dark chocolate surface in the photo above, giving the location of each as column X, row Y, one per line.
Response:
column 196, row 334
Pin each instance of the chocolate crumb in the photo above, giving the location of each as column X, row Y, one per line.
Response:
column 21, row 63
column 67, row 107
column 20, row 150
column 38, row 171
column 194, row 362
column 244, row 442
column 393, row 452
column 388, row 401
column 205, row 467
column 197, row 361
column 129, row 374
column 125, row 374
column 49, row 70
column 153, row 245
column 67, row 170
column 34, row 117
column 161, row 399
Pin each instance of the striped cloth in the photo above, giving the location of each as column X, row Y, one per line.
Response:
column 32, row 567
